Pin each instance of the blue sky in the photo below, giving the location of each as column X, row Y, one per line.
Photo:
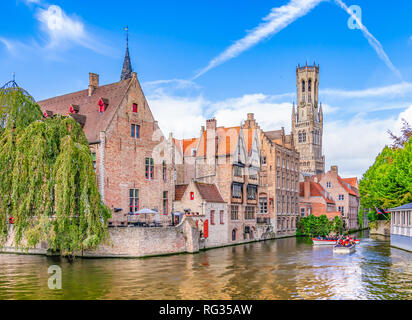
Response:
column 243, row 52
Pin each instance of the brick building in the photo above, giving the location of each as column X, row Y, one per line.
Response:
column 345, row 194
column 278, row 180
column 230, row 159
column 314, row 199
column 204, row 204
column 133, row 160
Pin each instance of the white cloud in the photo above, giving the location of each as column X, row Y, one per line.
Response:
column 60, row 27
column 395, row 90
column 376, row 45
column 277, row 20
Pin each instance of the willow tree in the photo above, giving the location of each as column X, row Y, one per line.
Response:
column 48, row 184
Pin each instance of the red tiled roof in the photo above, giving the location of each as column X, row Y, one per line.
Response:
column 180, row 191
column 95, row 121
column 347, row 187
column 209, row 192
column 352, row 181
column 316, row 190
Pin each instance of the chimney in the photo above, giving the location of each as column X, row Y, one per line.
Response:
column 211, row 141
column 334, row 169
column 93, row 83
column 202, row 129
column 211, row 124
column 250, row 123
column 306, row 187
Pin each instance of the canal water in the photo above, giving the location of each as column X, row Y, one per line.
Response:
column 280, row 269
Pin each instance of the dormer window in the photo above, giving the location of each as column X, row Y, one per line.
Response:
column 103, row 104
column 135, row 108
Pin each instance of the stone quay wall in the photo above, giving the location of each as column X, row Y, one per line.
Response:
column 134, row 242
column 382, row 228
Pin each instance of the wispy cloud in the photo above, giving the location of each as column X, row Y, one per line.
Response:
column 376, row 45
column 60, row 31
column 277, row 20
column 396, row 90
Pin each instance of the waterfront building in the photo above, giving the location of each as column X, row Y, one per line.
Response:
column 230, row 159
column 314, row 199
column 204, row 204
column 401, row 227
column 278, row 180
column 344, row 194
column 132, row 158
column 307, row 121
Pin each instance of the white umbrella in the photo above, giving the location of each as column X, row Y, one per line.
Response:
column 146, row 211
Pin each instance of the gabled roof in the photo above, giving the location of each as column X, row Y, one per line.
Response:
column 209, row 192
column 352, row 181
column 180, row 191
column 316, row 190
column 95, row 121
column 347, row 187
column 227, row 141
column 274, row 135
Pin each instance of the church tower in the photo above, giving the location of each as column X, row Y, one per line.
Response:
column 127, row 65
column 307, row 121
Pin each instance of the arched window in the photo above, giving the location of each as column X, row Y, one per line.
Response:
column 304, row 136
column 303, row 86
column 310, row 85
column 300, row 136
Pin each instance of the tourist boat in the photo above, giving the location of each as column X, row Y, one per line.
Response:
column 323, row 242
column 344, row 250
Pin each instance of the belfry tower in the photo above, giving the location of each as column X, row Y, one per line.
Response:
column 307, row 121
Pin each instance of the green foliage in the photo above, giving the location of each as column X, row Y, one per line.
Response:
column 388, row 182
column 48, row 182
column 319, row 226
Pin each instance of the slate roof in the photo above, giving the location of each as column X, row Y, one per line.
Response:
column 95, row 121
column 404, row 207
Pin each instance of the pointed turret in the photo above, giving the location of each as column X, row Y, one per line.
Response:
column 127, row 65
column 293, row 115
column 320, row 113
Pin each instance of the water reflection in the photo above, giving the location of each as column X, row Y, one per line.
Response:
column 282, row 269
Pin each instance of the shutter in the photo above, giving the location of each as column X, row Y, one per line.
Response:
column 206, row 229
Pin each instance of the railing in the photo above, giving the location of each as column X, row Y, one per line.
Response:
column 263, row 220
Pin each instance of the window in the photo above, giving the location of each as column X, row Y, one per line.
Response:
column 234, row 213
column 341, row 197
column 149, row 169
column 222, row 217
column 303, row 86
column 251, row 192
column 212, row 217
column 263, row 205
column 94, row 161
column 278, row 161
column 135, row 131
column 134, row 200
column 234, row 235
column 249, row 213
column 253, row 173
column 310, row 85
column 328, row 185
column 263, row 159
column 237, row 190
column 304, row 136
column 341, row 210
column 135, row 109
column 237, row 171
column 164, row 171
column 302, row 212
column 165, row 202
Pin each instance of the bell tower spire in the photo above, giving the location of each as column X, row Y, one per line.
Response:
column 127, row 65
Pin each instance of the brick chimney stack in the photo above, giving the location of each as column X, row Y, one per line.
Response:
column 306, row 187
column 334, row 169
column 211, row 144
column 93, row 83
